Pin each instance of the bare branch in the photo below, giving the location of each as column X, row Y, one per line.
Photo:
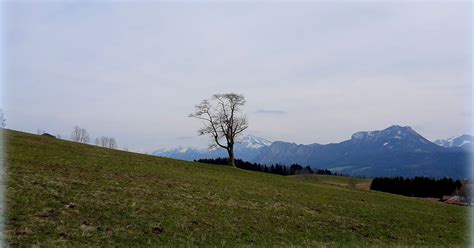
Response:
column 3, row 119
column 222, row 119
column 80, row 135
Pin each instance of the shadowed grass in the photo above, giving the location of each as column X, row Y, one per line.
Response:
column 61, row 193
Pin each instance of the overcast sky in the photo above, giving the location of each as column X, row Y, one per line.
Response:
column 311, row 72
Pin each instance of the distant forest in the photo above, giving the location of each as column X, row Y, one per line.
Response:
column 294, row 169
column 417, row 186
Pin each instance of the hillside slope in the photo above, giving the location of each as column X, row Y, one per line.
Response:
column 62, row 193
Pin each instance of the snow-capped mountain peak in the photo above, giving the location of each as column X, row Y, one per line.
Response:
column 458, row 141
column 445, row 142
column 178, row 149
column 396, row 138
column 246, row 147
column 395, row 132
column 251, row 141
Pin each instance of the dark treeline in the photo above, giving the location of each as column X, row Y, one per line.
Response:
column 279, row 169
column 417, row 186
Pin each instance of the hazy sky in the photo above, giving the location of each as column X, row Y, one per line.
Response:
column 311, row 72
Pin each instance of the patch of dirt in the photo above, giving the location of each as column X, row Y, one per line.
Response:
column 158, row 229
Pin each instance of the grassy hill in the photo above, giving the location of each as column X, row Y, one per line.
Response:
column 62, row 193
column 350, row 182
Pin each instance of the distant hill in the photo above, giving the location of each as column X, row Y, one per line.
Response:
column 394, row 151
column 66, row 194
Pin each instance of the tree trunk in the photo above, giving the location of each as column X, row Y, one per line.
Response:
column 231, row 157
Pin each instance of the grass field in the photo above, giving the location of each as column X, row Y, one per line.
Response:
column 61, row 193
column 349, row 182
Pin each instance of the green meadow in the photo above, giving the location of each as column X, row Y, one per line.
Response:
column 61, row 193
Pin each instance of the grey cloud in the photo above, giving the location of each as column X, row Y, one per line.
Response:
column 337, row 68
column 185, row 137
column 270, row 111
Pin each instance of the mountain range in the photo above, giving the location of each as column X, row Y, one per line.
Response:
column 247, row 148
column 464, row 141
column 394, row 151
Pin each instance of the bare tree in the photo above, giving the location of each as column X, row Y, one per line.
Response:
column 76, row 134
column 3, row 119
column 108, row 142
column 104, row 141
column 223, row 120
column 80, row 135
column 85, row 136
column 97, row 141
column 112, row 143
